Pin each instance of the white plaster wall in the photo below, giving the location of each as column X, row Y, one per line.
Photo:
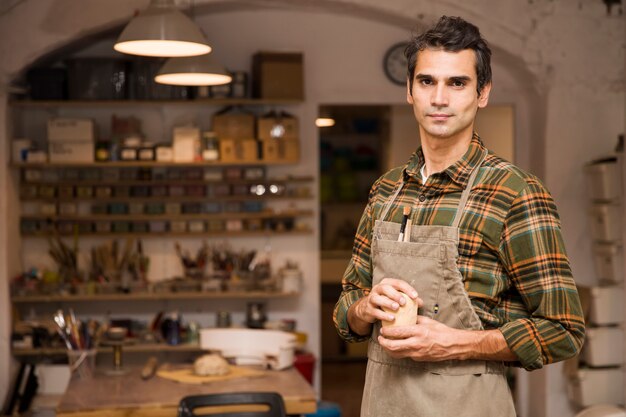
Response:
column 557, row 61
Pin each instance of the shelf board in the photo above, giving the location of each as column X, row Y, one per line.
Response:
column 152, row 296
column 167, row 182
column 205, row 234
column 166, row 199
column 140, row 348
column 146, row 164
column 173, row 217
column 152, row 103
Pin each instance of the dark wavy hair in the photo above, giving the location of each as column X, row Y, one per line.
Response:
column 452, row 34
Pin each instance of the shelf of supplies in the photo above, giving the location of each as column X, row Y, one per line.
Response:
column 203, row 199
column 153, row 103
column 268, row 214
column 138, row 348
column 152, row 296
column 165, row 182
column 146, row 164
column 205, row 234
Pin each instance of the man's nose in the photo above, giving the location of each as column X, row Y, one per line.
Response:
column 439, row 96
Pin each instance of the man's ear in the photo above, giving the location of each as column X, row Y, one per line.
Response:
column 409, row 96
column 483, row 97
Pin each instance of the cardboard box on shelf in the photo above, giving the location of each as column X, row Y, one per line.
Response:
column 606, row 305
column 603, row 346
column 278, row 75
column 71, row 151
column 603, row 179
column 280, row 150
column 597, row 386
column 186, row 144
column 234, row 125
column 277, row 127
column 62, row 129
column 239, row 150
column 608, row 261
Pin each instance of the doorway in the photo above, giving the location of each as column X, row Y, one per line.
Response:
column 365, row 142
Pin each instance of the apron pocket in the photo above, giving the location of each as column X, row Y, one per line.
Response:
column 419, row 264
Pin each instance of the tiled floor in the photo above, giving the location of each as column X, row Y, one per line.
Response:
column 342, row 383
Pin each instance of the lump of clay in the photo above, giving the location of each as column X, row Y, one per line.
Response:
column 211, row 365
column 406, row 315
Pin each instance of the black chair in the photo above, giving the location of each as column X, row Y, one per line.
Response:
column 272, row 400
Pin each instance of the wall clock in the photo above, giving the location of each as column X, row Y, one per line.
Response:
column 395, row 64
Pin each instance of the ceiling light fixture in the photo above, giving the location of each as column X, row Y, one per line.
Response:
column 162, row 31
column 193, row 71
column 324, row 122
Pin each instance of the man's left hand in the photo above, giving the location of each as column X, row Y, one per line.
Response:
column 428, row 340
column 431, row 341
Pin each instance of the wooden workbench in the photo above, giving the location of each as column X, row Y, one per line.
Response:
column 130, row 396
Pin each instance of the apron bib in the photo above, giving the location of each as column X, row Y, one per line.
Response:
column 404, row 387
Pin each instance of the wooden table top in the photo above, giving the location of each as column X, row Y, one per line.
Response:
column 130, row 396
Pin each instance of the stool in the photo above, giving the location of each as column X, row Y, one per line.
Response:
column 326, row 409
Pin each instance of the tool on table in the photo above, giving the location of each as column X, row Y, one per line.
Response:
column 405, row 218
column 115, row 338
column 149, row 369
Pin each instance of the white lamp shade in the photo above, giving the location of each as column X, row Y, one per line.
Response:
column 162, row 30
column 193, row 71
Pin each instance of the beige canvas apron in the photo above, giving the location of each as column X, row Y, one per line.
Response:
column 403, row 387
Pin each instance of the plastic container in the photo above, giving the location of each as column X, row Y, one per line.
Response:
column 82, row 363
column 271, row 348
column 607, row 306
column 604, row 180
column 608, row 261
column 326, row 409
column 597, row 386
column 604, row 346
column 305, row 364
column 606, row 222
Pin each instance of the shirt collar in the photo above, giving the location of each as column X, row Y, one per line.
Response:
column 460, row 171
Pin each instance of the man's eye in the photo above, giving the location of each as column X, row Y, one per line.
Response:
column 426, row 82
column 458, row 84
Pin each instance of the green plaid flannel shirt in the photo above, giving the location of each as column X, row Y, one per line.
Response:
column 511, row 252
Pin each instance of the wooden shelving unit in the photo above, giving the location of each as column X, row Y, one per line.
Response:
column 147, row 164
column 175, row 199
column 130, row 348
column 152, row 296
column 268, row 214
column 152, row 103
column 104, row 182
column 262, row 216
column 205, row 234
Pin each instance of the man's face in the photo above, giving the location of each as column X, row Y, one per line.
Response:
column 444, row 96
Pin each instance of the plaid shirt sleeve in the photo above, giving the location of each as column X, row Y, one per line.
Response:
column 533, row 253
column 357, row 280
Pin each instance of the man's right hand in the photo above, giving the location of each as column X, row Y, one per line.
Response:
column 368, row 309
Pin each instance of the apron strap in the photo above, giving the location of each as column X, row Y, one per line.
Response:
column 391, row 199
column 466, row 193
column 462, row 202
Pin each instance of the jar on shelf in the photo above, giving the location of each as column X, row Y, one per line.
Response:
column 210, row 147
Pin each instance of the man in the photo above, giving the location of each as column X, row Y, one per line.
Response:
column 484, row 258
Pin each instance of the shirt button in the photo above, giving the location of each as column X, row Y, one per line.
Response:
column 422, row 198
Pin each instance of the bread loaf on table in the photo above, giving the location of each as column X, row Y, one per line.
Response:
column 211, row 365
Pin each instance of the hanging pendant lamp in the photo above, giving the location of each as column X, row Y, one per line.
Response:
column 193, row 71
column 163, row 31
